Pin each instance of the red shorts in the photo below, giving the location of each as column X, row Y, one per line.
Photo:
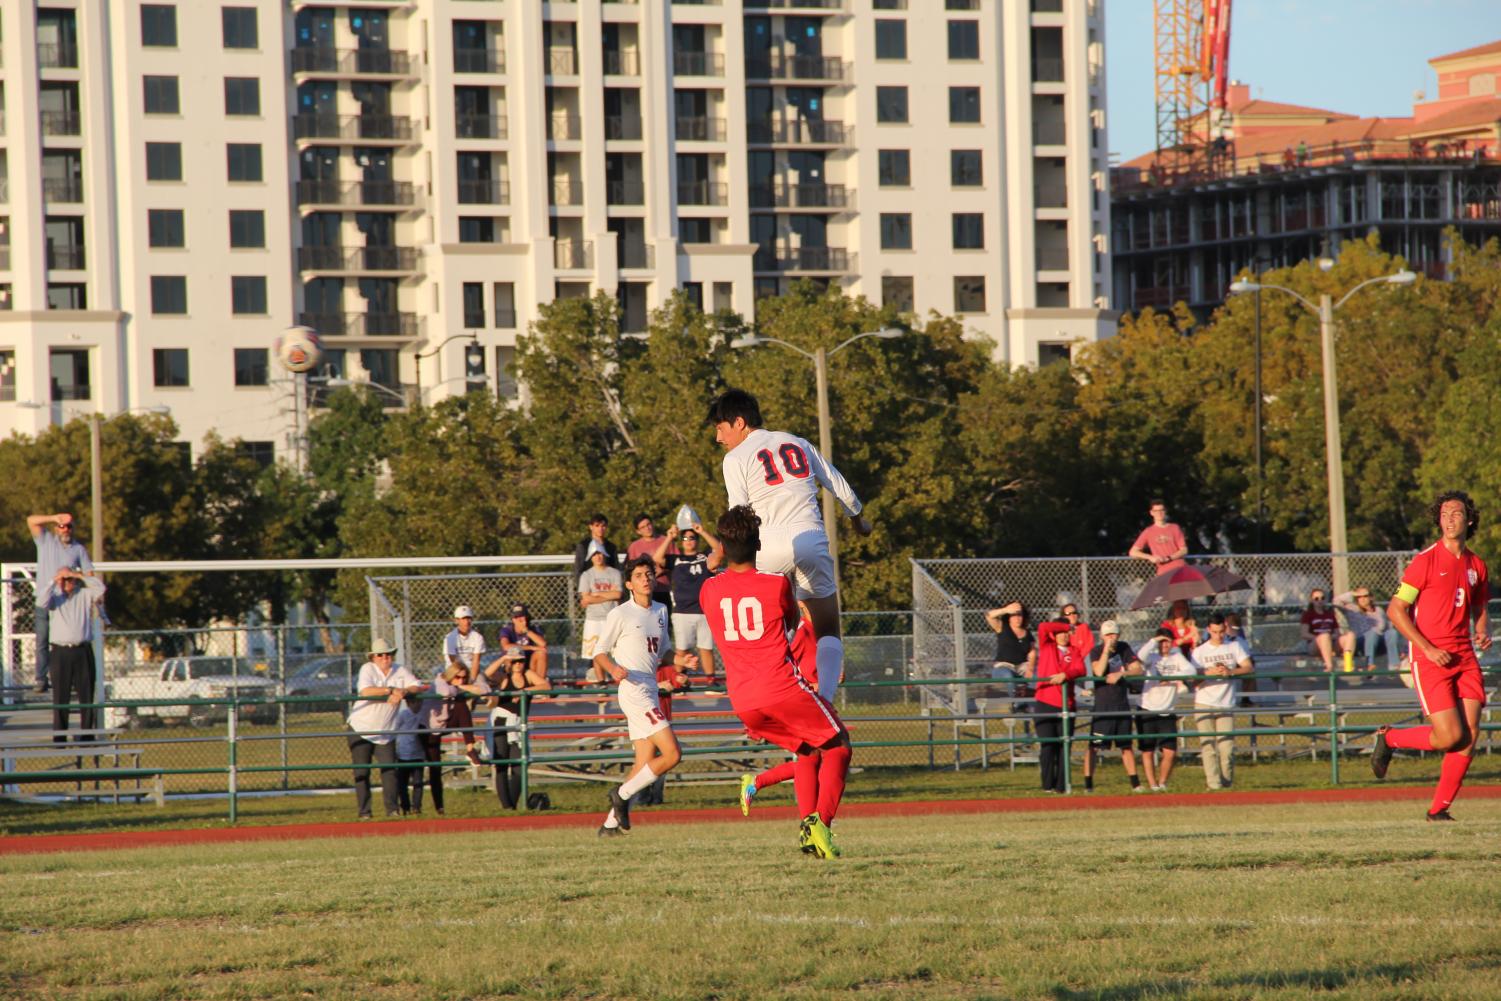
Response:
column 1441, row 688
column 801, row 719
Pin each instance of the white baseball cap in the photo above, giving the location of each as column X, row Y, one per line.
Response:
column 1109, row 628
column 595, row 546
column 463, row 612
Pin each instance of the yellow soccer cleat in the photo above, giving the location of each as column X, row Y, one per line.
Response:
column 747, row 793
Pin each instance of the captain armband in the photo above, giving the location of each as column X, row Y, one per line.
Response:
column 1407, row 593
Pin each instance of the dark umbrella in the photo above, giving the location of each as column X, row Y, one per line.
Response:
column 1188, row 582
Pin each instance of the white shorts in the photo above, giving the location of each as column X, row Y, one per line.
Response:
column 803, row 555
column 592, row 629
column 643, row 713
column 690, row 631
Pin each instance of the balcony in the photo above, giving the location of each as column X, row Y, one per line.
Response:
column 817, row 259
column 396, row 193
column 697, row 63
column 785, row 67
column 794, row 4
column 698, row 129
column 1050, row 195
column 4, row 190
column 480, row 127
column 798, row 132
column 361, row 324
column 625, row 193
column 573, row 255
column 1047, row 70
column 626, row 127
column 479, row 60
column 56, row 56
column 329, row 61
column 1052, row 258
column 480, row 192
column 4, row 257
column 63, row 189
column 564, row 126
column 562, row 62
column 364, row 128
column 638, row 256
column 566, row 191
column 800, row 196
column 61, row 123
column 62, row 257
column 703, row 193
column 622, row 62
column 1049, row 132
column 357, row 259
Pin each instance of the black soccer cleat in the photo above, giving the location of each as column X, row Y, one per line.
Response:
column 610, row 832
column 1381, row 754
column 621, row 806
column 1440, row 815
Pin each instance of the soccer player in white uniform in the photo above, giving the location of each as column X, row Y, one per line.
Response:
column 633, row 642
column 778, row 475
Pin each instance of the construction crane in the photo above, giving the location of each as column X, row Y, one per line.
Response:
column 1192, row 39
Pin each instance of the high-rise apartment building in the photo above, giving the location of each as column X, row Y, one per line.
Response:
column 179, row 182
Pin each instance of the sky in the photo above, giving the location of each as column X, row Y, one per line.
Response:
column 1363, row 57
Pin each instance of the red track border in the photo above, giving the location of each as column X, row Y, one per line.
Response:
column 48, row 843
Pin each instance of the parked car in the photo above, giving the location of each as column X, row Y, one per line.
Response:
column 189, row 678
column 331, row 675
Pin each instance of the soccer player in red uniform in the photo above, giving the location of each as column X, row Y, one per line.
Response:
column 804, row 648
column 1444, row 589
column 750, row 614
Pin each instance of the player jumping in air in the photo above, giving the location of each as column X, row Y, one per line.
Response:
column 749, row 614
column 803, row 649
column 1444, row 589
column 632, row 643
column 778, row 475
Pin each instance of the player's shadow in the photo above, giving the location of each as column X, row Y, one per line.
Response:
column 1332, row 978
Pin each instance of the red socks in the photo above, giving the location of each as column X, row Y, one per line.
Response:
column 779, row 773
column 805, row 783
column 831, row 773
column 1450, row 777
column 1411, row 738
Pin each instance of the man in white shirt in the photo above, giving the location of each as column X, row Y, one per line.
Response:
column 381, row 686
column 632, row 644
column 599, row 590
column 1220, row 662
column 1162, row 663
column 778, row 475
column 463, row 645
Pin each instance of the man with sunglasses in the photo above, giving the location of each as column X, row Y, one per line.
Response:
column 687, row 570
column 1080, row 637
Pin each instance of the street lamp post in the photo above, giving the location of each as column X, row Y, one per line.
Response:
column 341, row 383
column 417, row 357
column 1333, row 456
column 820, row 359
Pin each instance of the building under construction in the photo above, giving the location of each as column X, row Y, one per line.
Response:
column 1274, row 184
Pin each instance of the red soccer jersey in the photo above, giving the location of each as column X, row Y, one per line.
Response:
column 805, row 651
column 1449, row 588
column 749, row 614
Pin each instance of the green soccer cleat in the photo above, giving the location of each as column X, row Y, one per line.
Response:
column 804, row 837
column 820, row 838
column 747, row 793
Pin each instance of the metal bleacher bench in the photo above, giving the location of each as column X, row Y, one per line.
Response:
column 25, row 754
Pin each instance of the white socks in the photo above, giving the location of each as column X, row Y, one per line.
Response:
column 610, row 821
column 637, row 782
column 830, row 666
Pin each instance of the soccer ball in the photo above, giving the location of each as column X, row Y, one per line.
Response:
column 299, row 350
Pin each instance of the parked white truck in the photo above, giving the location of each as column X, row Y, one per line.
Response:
column 189, row 678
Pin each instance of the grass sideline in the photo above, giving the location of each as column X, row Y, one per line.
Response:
column 870, row 785
column 1347, row 900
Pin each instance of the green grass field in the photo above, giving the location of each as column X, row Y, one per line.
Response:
column 1345, row 901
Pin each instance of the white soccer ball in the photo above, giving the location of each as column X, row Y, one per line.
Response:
column 299, row 350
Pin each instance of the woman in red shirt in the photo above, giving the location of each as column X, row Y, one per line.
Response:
column 1185, row 629
column 1320, row 626
column 1058, row 664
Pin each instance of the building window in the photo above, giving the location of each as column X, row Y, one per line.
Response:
column 240, row 28
column 159, row 25
column 163, row 161
column 890, row 4
column 724, row 297
column 505, row 381
column 895, row 168
column 1052, row 353
column 696, row 230
column 503, row 295
column 252, row 367
column 169, row 295
column 896, row 231
column 68, row 373
column 964, row 39
column 6, row 296
column 164, row 228
column 891, row 105
column 247, row 295
column 67, row 295
column 966, row 168
column 170, row 367
column 7, row 376
column 162, row 95
column 476, row 229
column 964, row 105
column 891, row 39
column 897, row 292
column 695, row 293
column 968, row 5
column 474, row 305
column 262, row 453
column 244, row 161
column 247, row 229
column 969, row 231
column 242, row 95
column 969, row 294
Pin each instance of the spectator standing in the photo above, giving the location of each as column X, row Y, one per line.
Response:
column 448, row 713
column 382, row 686
column 600, row 588
column 645, row 544
column 1183, row 627
column 1368, row 629
column 524, row 648
column 55, row 550
column 1320, row 626
column 68, row 600
column 1015, row 648
column 1112, row 723
column 687, row 570
column 599, row 526
column 506, row 677
column 1081, row 637
column 1163, row 664
column 409, row 752
column 1058, row 664
column 1220, row 661
column 1161, row 543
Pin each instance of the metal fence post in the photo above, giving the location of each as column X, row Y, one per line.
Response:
column 1084, row 589
column 525, row 743
column 1333, row 731
column 281, row 706
column 1067, row 736
column 7, row 628
column 234, row 772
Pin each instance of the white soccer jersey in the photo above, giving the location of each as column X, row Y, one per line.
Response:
column 778, row 475
column 635, row 637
